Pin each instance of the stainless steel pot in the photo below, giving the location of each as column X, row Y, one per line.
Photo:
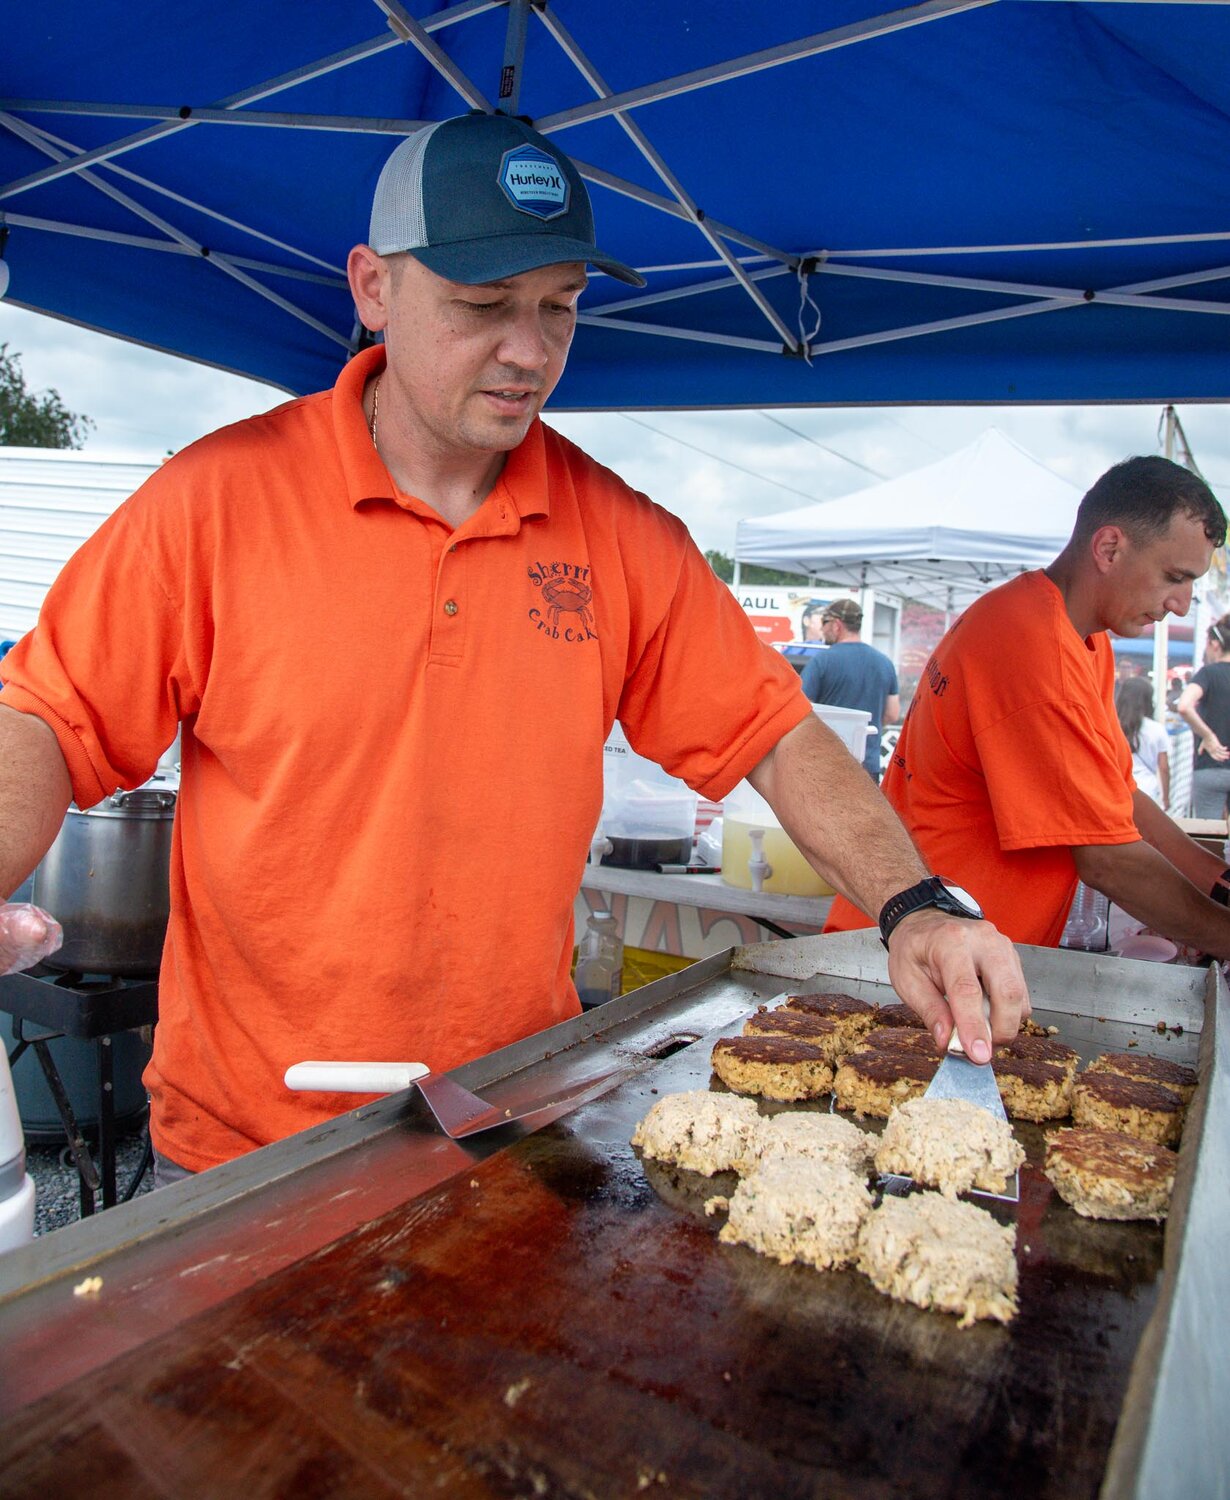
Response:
column 106, row 879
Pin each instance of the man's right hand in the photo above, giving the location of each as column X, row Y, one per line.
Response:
column 1211, row 746
column 943, row 966
column 27, row 935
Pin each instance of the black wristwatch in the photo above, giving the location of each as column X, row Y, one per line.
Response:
column 941, row 894
column 1221, row 889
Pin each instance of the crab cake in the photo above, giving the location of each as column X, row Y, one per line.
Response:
column 873, row 1079
column 775, row 1067
column 815, row 1030
column 799, row 1210
column 899, row 1014
column 854, row 1018
column 949, row 1144
column 901, row 1039
column 1174, row 1076
column 941, row 1253
column 1033, row 1089
column 800, row 1135
column 704, row 1132
column 1108, row 1101
column 1104, row 1174
column 1032, row 1048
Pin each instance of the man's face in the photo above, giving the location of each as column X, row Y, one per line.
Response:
column 830, row 630
column 475, row 364
column 1144, row 581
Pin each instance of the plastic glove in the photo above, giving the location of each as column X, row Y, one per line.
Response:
column 27, row 935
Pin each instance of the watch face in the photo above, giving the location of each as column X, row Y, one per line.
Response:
column 963, row 896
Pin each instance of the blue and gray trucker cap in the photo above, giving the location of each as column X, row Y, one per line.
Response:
column 481, row 197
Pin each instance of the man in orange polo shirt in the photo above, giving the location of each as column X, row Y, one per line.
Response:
column 1012, row 767
column 483, row 602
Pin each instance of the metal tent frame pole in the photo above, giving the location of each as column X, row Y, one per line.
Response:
column 238, row 110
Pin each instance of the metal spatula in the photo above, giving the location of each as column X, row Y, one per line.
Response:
column 458, row 1112
column 958, row 1078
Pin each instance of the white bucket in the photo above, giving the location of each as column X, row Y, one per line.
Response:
column 850, row 725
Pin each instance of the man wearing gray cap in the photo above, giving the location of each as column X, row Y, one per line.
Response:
column 378, row 841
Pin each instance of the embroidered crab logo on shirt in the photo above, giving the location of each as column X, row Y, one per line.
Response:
column 567, row 597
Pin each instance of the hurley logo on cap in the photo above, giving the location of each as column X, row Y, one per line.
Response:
column 534, row 183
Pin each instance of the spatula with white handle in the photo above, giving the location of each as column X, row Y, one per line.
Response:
column 959, row 1078
column 458, row 1112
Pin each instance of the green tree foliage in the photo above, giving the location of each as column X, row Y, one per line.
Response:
column 724, row 566
column 30, row 420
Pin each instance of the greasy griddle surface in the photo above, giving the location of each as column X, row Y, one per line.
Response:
column 562, row 1321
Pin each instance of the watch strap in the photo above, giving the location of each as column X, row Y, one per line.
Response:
column 930, row 892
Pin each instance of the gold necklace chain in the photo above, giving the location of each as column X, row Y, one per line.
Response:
column 371, row 426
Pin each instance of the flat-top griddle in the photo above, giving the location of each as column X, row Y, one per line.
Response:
column 557, row 1318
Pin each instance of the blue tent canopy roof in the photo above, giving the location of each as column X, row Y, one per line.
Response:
column 1008, row 201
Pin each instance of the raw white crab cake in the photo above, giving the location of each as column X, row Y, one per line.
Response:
column 796, row 1135
column 941, row 1253
column 949, row 1144
column 792, row 1210
column 704, row 1132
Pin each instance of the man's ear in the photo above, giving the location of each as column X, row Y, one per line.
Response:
column 1105, row 545
column 369, row 286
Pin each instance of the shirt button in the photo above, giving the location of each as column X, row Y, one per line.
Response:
column 450, row 606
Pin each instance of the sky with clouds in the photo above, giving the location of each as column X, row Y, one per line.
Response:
column 711, row 468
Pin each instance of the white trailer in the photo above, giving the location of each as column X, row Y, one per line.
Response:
column 51, row 500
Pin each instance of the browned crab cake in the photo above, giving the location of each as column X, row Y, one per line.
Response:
column 899, row 1014
column 1104, row 1174
column 1030, row 1048
column 1174, row 1076
column 775, row 1067
column 854, row 1018
column 1107, row 1101
column 1033, row 1089
column 874, row 1079
column 900, row 1039
column 799, row 1025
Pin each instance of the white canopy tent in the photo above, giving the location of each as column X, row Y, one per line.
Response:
column 942, row 534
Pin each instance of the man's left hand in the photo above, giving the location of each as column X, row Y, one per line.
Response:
column 942, row 966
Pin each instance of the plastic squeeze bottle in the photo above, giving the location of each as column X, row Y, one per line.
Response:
column 600, row 961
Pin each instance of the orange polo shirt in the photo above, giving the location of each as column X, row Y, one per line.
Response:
column 1011, row 756
column 392, row 740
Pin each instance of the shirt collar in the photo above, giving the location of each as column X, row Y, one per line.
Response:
column 523, row 482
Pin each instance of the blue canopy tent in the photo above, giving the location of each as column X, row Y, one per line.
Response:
column 958, row 201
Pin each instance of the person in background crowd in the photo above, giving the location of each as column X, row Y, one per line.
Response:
column 852, row 674
column 485, row 601
column 1204, row 705
column 1012, row 767
column 811, row 623
column 1147, row 739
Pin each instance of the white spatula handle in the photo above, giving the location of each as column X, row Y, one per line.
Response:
column 354, row 1077
column 954, row 1041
